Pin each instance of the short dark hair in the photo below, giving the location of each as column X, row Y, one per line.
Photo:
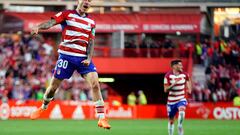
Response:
column 174, row 62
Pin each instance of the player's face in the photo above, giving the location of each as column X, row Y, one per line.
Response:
column 179, row 67
column 84, row 5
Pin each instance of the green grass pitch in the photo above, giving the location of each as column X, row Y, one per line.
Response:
column 119, row 127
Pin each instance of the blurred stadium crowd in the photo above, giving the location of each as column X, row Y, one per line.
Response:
column 26, row 68
column 221, row 60
column 27, row 64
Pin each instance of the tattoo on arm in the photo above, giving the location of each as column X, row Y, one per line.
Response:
column 90, row 49
column 189, row 85
column 47, row 25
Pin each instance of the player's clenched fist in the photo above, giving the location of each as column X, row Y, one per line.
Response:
column 86, row 62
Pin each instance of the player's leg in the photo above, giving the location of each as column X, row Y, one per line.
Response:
column 49, row 93
column 91, row 76
column 181, row 116
column 92, row 79
column 172, row 110
column 48, row 96
column 63, row 70
column 170, row 126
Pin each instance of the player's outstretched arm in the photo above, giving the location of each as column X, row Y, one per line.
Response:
column 43, row 26
column 189, row 86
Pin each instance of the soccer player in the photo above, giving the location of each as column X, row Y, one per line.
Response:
column 75, row 53
column 176, row 82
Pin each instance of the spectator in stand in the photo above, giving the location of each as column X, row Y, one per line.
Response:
column 142, row 100
column 104, row 90
column 3, row 93
column 221, row 93
column 198, row 52
column 168, row 48
column 39, row 94
column 18, row 91
column 204, row 55
column 236, row 101
column 131, row 99
column 83, row 96
column 197, row 91
column 206, row 94
column 75, row 92
column 212, row 87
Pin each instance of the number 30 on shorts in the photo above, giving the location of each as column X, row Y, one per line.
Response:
column 62, row 63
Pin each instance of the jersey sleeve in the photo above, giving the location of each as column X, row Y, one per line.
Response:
column 93, row 31
column 187, row 76
column 59, row 17
column 165, row 80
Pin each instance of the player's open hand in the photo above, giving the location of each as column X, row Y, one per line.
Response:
column 34, row 31
column 86, row 62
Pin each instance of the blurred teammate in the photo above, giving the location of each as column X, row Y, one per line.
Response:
column 75, row 53
column 176, row 82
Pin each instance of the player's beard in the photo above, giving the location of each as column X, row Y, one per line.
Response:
column 180, row 70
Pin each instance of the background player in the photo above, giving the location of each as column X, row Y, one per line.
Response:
column 75, row 53
column 176, row 82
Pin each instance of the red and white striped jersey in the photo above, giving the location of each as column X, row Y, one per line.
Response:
column 177, row 92
column 76, row 32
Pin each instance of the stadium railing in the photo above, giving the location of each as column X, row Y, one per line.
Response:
column 141, row 52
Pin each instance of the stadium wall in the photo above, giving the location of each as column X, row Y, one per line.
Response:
column 135, row 65
column 85, row 110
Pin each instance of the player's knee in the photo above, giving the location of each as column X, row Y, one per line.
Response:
column 171, row 120
column 53, row 86
column 182, row 108
column 95, row 84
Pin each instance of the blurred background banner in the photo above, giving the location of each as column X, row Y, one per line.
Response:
column 85, row 110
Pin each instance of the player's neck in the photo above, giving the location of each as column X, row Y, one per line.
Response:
column 175, row 72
